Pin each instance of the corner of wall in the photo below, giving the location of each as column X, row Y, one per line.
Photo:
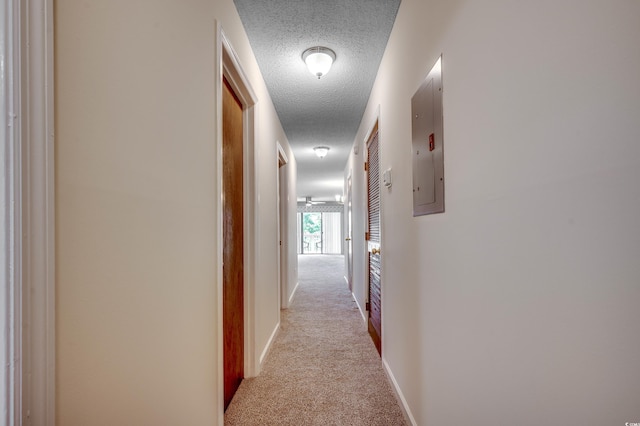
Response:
column 269, row 344
column 406, row 411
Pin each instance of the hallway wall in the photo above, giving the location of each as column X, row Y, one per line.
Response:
column 519, row 304
column 136, row 177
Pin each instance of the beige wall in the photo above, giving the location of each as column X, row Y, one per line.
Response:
column 519, row 304
column 136, row 325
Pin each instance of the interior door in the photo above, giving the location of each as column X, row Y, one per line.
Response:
column 373, row 237
column 348, row 238
column 233, row 234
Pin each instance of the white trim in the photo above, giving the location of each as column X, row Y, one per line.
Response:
column 364, row 316
column 367, row 245
column 10, row 216
column 228, row 65
column 38, row 213
column 408, row 416
column 219, row 229
column 282, row 189
column 267, row 348
column 376, row 119
column 282, row 155
column 293, row 293
column 251, row 234
column 348, row 225
column 281, row 303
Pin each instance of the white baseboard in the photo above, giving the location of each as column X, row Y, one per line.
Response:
column 293, row 293
column 265, row 352
column 364, row 316
column 396, row 389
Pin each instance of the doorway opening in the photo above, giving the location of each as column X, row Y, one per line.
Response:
column 348, row 241
column 374, row 239
column 283, row 224
column 233, row 236
column 231, row 78
column 320, row 232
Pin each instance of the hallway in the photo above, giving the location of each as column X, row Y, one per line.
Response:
column 323, row 368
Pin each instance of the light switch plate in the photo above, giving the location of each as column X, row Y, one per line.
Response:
column 386, row 178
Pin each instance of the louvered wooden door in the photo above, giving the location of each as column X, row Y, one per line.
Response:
column 374, row 240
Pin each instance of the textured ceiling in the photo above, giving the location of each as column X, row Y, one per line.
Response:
column 327, row 111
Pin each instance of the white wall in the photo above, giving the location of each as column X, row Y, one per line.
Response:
column 268, row 133
column 135, row 204
column 519, row 304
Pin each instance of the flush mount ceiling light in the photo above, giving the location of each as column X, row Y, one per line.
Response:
column 319, row 60
column 321, row 151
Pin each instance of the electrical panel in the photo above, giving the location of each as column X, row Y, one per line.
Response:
column 427, row 144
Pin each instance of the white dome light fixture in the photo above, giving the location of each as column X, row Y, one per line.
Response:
column 321, row 151
column 319, row 60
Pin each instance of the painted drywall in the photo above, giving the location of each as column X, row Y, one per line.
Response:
column 136, row 177
column 267, row 240
column 519, row 304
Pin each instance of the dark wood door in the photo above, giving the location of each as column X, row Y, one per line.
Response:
column 374, row 240
column 233, row 252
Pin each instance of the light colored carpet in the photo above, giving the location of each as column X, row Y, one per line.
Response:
column 323, row 368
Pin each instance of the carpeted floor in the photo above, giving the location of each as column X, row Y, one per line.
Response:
column 322, row 368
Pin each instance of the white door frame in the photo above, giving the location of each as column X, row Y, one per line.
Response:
column 348, row 220
column 228, row 66
column 283, row 231
column 28, row 222
column 38, row 213
column 10, row 207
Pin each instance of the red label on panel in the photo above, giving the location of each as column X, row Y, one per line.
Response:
column 432, row 142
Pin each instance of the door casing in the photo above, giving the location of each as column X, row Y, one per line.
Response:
column 283, row 233
column 233, row 236
column 349, row 238
column 372, row 245
column 228, row 66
